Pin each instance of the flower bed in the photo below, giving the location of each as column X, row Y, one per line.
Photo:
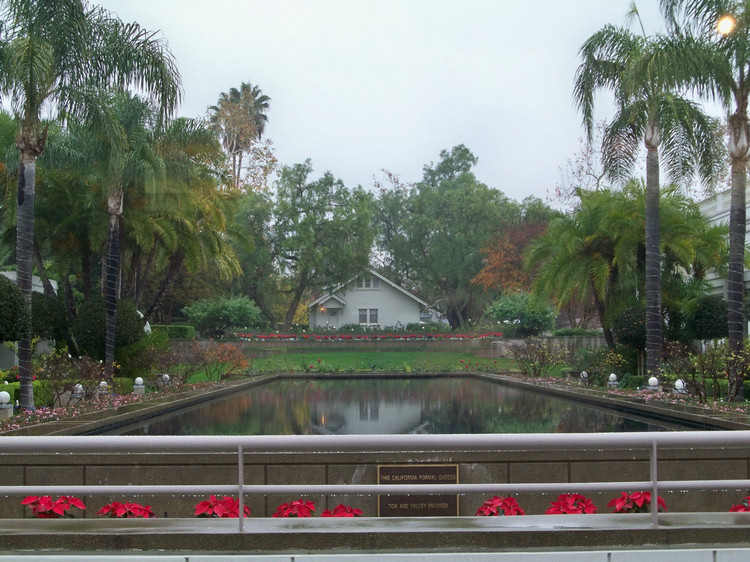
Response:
column 44, row 507
column 375, row 337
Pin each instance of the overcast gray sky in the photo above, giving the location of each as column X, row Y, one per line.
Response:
column 362, row 85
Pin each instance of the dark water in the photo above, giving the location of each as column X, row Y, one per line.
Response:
column 395, row 406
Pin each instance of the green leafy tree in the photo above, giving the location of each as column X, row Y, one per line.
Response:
column 672, row 128
column 322, row 232
column 212, row 317
column 520, row 315
column 52, row 53
column 431, row 235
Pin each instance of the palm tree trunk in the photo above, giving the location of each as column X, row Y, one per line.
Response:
column 738, row 151
column 111, row 283
column 24, row 264
column 175, row 264
column 653, row 265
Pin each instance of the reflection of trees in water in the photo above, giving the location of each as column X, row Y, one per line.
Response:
column 585, row 420
column 520, row 414
column 449, row 405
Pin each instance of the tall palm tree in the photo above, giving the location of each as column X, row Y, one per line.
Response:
column 596, row 252
column 648, row 112
column 239, row 117
column 55, row 53
column 718, row 67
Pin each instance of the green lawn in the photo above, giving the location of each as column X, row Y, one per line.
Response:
column 371, row 361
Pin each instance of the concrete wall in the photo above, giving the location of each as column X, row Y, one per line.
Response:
column 361, row 468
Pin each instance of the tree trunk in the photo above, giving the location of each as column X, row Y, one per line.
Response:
column 292, row 310
column 111, row 283
column 653, row 260
column 46, row 284
column 24, row 262
column 738, row 152
column 175, row 263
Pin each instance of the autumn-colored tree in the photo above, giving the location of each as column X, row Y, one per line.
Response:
column 504, row 267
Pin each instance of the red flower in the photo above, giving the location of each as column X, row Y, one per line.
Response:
column 342, row 510
column 225, row 507
column 743, row 506
column 500, row 506
column 126, row 510
column 571, row 503
column 44, row 508
column 297, row 508
column 635, row 502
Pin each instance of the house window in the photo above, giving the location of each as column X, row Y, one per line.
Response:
column 368, row 283
column 364, row 318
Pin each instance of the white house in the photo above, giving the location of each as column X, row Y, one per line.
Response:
column 8, row 357
column 716, row 210
column 370, row 300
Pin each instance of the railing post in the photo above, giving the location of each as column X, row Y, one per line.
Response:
column 241, row 482
column 654, row 486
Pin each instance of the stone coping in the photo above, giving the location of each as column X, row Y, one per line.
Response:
column 376, row 535
column 699, row 417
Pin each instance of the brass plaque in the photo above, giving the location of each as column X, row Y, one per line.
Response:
column 418, row 505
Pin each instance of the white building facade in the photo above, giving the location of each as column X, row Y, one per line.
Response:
column 368, row 300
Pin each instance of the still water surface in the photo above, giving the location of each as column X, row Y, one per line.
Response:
column 400, row 406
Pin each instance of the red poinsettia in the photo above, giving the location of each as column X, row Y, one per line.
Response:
column 635, row 502
column 342, row 510
column 571, row 503
column 297, row 508
column 744, row 505
column 44, row 508
column 500, row 506
column 126, row 510
column 224, row 507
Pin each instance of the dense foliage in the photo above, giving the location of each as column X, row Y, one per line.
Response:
column 14, row 314
column 212, row 317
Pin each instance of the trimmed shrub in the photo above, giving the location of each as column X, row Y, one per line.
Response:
column 90, row 331
column 520, row 316
column 710, row 319
column 176, row 331
column 48, row 318
column 141, row 357
column 629, row 327
column 213, row 317
column 15, row 319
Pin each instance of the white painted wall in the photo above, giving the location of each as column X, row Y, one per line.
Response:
column 394, row 307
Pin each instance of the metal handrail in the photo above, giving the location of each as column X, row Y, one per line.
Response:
column 331, row 444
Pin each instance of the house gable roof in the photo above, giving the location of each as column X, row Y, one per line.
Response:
column 399, row 288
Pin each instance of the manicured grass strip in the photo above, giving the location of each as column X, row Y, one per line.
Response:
column 370, row 361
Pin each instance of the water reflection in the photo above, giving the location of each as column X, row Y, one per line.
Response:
column 425, row 405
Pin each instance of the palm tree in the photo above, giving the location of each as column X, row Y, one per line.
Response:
column 596, row 252
column 717, row 68
column 55, row 53
column 239, row 117
column 648, row 112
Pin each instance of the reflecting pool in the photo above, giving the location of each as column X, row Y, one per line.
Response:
column 389, row 406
